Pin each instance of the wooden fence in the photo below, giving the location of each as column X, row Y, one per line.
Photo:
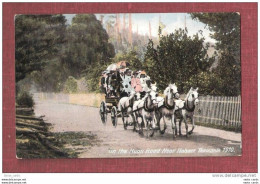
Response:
column 219, row 110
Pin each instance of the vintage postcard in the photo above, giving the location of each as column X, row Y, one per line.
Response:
column 128, row 85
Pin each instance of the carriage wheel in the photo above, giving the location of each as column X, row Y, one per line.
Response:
column 114, row 116
column 162, row 127
column 149, row 130
column 103, row 112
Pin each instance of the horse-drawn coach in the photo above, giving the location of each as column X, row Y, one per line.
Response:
column 132, row 96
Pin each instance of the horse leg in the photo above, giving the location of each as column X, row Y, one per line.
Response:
column 149, row 123
column 147, row 126
column 153, row 120
column 143, row 122
column 139, row 124
column 175, row 123
column 164, row 122
column 157, row 117
column 134, row 122
column 126, row 118
column 174, row 128
column 193, row 125
column 142, row 126
column 180, row 126
column 186, row 125
column 123, row 118
column 146, row 123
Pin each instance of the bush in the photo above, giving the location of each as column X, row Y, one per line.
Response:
column 24, row 98
column 93, row 77
column 70, row 85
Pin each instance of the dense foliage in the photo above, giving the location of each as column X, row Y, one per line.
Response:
column 132, row 58
column 178, row 58
column 24, row 98
column 54, row 54
column 49, row 51
column 38, row 39
column 87, row 45
column 70, row 85
column 226, row 30
column 88, row 50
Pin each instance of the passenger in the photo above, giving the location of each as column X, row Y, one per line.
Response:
column 126, row 83
column 108, row 84
column 113, row 84
column 103, row 82
column 136, row 83
column 145, row 82
column 119, row 82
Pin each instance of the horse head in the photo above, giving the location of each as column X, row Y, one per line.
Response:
column 172, row 91
column 150, row 98
column 154, row 87
column 194, row 95
column 154, row 95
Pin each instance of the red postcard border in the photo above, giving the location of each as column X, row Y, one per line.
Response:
column 245, row 163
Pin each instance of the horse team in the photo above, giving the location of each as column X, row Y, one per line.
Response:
column 152, row 111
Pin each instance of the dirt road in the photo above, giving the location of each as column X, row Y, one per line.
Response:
column 117, row 142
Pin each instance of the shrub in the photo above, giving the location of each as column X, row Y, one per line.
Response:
column 70, row 85
column 24, row 98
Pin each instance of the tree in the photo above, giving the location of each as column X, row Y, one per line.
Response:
column 87, row 45
column 37, row 41
column 177, row 58
column 132, row 58
column 70, row 85
column 226, row 30
column 205, row 81
column 52, row 77
column 93, row 76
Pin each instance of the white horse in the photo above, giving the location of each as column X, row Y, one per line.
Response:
column 125, row 107
column 166, row 107
column 185, row 109
column 144, row 109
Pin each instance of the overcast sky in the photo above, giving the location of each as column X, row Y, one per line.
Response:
column 171, row 20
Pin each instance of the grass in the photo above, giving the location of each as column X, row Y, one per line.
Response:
column 69, row 145
column 77, row 138
column 33, row 149
column 77, row 142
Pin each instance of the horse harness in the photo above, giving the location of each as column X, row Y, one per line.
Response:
column 168, row 106
column 146, row 106
column 187, row 108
